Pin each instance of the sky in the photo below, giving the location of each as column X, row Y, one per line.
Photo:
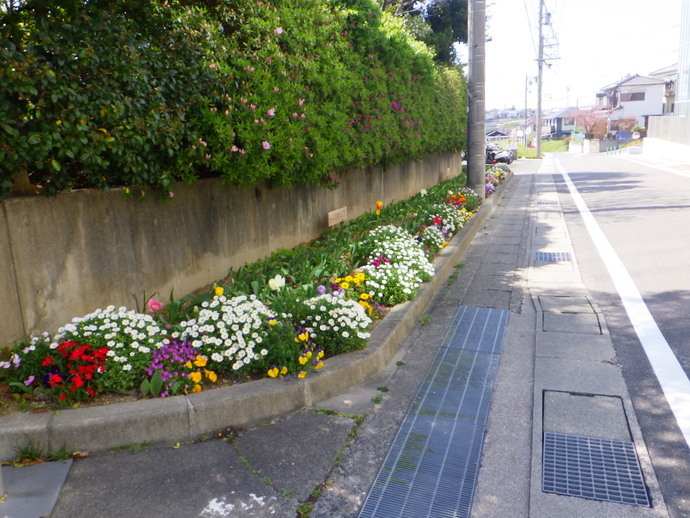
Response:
column 598, row 43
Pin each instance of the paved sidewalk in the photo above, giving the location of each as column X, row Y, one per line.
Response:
column 558, row 378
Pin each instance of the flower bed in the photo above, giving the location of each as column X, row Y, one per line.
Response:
column 279, row 317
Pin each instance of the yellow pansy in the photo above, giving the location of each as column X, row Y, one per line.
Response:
column 360, row 277
column 200, row 361
column 308, row 354
column 302, row 360
column 219, row 291
column 349, row 278
column 320, row 354
column 345, row 285
column 197, row 388
column 272, row 321
column 188, row 365
column 273, row 372
column 195, row 377
column 302, row 374
column 318, row 365
column 211, row 376
column 304, row 337
column 365, row 296
column 284, row 370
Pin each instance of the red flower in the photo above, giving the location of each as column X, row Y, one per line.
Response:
column 437, row 220
column 78, row 381
column 54, row 379
column 90, row 391
column 47, row 361
column 63, row 397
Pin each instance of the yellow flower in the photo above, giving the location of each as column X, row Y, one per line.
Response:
column 304, row 337
column 318, row 365
column 338, row 280
column 360, row 277
column 273, row 372
column 345, row 285
column 444, row 244
column 365, row 296
column 188, row 365
column 211, row 376
column 284, row 370
column 200, row 361
column 349, row 278
column 302, row 374
column 320, row 354
column 308, row 354
column 219, row 291
column 195, row 377
column 272, row 321
column 379, row 205
column 302, row 360
column 197, row 388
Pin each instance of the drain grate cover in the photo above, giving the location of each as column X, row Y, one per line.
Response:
column 431, row 467
column 596, row 469
column 552, row 257
column 547, row 202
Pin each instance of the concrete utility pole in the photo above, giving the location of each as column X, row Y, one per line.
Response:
column 540, row 63
column 476, row 134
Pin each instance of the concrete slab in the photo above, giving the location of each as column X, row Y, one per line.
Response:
column 212, row 477
column 32, row 490
column 578, row 376
column 291, row 463
column 565, row 304
column 582, row 323
column 585, row 415
column 595, row 348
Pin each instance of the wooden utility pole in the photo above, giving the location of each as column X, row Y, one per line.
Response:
column 476, row 134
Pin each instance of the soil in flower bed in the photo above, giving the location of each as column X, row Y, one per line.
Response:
column 12, row 403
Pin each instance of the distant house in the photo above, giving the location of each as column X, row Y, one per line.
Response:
column 634, row 97
column 669, row 75
column 559, row 124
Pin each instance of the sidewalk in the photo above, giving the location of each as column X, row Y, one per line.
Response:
column 557, row 378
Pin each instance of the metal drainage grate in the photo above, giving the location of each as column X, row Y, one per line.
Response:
column 596, row 469
column 552, row 257
column 547, row 202
column 431, row 467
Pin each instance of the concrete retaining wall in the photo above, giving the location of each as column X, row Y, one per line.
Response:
column 65, row 256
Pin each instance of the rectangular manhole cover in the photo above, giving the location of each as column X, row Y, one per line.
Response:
column 551, row 257
column 547, row 203
column 596, row 469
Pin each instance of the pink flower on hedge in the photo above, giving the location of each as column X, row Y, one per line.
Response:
column 266, row 145
column 279, row 30
column 271, row 112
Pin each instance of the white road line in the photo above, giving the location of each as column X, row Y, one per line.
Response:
column 673, row 380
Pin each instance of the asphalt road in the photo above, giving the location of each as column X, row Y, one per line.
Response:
column 643, row 209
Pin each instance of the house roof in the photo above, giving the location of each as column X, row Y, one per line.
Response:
column 634, row 80
column 666, row 71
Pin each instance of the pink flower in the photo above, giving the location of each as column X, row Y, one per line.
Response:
column 300, row 102
column 294, row 114
column 279, row 30
column 234, row 149
column 266, row 145
column 154, row 305
column 271, row 112
column 171, row 194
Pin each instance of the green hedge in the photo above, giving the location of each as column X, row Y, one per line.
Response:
column 107, row 93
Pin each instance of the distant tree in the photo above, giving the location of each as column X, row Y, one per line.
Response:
column 438, row 23
column 592, row 121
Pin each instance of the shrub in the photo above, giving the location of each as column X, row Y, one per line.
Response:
column 102, row 94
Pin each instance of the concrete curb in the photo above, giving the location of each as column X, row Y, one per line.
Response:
column 184, row 418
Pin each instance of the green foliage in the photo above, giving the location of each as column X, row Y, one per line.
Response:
column 102, row 94
column 152, row 386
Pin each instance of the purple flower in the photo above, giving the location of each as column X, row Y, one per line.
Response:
column 321, row 289
column 28, row 381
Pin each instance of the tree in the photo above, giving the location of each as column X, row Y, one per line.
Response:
column 438, row 23
column 592, row 121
